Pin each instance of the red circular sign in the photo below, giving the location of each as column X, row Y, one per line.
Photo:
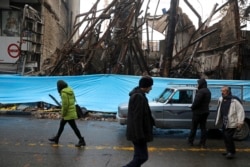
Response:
column 13, row 50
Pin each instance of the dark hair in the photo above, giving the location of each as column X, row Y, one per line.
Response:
column 145, row 82
column 61, row 85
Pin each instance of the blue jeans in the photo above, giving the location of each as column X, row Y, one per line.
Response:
column 140, row 154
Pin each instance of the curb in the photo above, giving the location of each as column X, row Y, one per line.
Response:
column 15, row 112
column 54, row 115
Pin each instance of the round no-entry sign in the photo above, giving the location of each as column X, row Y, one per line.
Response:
column 13, row 50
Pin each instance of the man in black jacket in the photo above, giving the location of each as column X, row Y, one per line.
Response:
column 140, row 122
column 200, row 109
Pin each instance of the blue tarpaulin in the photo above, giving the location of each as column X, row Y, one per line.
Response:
column 102, row 92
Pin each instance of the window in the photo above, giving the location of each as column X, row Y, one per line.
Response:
column 182, row 97
column 165, row 95
column 10, row 23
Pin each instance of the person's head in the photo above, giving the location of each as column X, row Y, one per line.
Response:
column 201, row 83
column 225, row 91
column 145, row 83
column 61, row 85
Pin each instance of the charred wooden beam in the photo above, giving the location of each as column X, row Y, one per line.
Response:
column 168, row 53
column 195, row 12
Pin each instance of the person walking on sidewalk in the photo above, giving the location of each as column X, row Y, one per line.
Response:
column 231, row 115
column 68, row 112
column 140, row 122
column 200, row 109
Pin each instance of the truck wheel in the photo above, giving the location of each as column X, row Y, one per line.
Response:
column 243, row 133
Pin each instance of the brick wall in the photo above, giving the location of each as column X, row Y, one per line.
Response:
column 58, row 18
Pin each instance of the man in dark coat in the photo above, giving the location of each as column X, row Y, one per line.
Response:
column 140, row 122
column 200, row 108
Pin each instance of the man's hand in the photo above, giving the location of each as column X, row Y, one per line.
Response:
column 239, row 126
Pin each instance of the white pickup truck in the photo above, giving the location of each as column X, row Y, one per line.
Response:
column 171, row 110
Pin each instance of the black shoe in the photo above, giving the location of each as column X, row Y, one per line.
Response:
column 81, row 143
column 190, row 143
column 54, row 139
column 203, row 146
column 230, row 156
column 224, row 154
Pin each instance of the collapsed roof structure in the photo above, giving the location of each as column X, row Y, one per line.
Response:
column 111, row 43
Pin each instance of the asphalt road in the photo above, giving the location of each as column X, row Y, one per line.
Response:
column 23, row 143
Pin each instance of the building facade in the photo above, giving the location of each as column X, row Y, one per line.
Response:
column 32, row 30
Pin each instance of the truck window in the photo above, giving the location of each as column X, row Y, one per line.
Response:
column 182, row 97
column 165, row 95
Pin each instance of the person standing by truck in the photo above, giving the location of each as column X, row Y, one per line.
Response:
column 231, row 115
column 200, row 109
column 140, row 122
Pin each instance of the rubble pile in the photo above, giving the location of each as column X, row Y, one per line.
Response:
column 51, row 113
column 109, row 43
column 43, row 114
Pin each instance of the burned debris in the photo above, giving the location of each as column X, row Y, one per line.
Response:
column 111, row 43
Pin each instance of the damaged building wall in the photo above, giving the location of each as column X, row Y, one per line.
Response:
column 212, row 52
column 245, row 56
column 218, row 65
column 183, row 34
column 184, row 31
column 58, row 20
column 218, row 57
column 40, row 42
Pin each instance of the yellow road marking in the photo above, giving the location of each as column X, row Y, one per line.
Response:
column 32, row 144
column 129, row 148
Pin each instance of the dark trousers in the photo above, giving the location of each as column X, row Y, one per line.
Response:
column 228, row 134
column 140, row 154
column 72, row 124
column 199, row 119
